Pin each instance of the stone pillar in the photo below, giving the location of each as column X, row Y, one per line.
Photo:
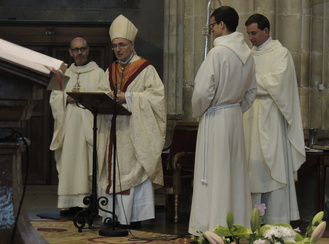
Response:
column 194, row 41
column 318, row 66
column 173, row 57
column 292, row 31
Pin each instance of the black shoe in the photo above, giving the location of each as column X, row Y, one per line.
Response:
column 133, row 225
column 71, row 211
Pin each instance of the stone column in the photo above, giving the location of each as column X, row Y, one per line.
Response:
column 318, row 66
column 173, row 57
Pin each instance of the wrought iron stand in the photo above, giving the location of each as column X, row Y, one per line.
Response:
column 94, row 103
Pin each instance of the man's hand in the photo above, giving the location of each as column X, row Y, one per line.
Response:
column 70, row 99
column 121, row 98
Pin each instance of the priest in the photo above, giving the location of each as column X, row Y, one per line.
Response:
column 72, row 141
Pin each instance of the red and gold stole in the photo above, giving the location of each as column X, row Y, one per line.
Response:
column 121, row 76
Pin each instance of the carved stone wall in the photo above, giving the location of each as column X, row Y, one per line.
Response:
column 302, row 26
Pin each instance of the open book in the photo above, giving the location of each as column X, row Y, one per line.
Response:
column 35, row 61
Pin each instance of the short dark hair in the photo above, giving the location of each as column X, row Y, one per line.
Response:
column 228, row 15
column 259, row 19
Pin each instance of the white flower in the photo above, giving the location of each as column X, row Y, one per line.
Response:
column 280, row 232
column 260, row 241
column 213, row 238
column 272, row 232
column 318, row 231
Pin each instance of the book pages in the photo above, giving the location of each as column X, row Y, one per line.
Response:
column 19, row 54
column 35, row 61
column 12, row 58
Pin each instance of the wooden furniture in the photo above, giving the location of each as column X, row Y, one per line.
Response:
column 51, row 38
column 318, row 162
column 20, row 91
column 179, row 163
column 24, row 106
column 10, row 197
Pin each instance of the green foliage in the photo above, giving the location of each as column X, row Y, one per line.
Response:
column 236, row 230
column 257, row 231
column 229, row 219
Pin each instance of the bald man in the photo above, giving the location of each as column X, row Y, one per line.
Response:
column 73, row 135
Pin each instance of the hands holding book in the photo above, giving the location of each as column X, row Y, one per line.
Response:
column 121, row 98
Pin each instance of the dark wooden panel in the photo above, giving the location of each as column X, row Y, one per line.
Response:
column 52, row 39
column 10, row 197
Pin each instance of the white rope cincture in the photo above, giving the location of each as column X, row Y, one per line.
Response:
column 210, row 111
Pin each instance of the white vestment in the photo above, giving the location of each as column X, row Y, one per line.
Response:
column 274, row 134
column 225, row 87
column 140, row 141
column 73, row 136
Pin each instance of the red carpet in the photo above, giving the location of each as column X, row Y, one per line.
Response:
column 64, row 232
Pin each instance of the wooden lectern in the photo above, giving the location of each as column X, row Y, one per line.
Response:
column 20, row 89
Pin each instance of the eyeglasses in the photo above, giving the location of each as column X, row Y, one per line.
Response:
column 212, row 25
column 81, row 49
column 120, row 45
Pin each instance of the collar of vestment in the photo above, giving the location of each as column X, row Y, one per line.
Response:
column 270, row 47
column 235, row 42
column 123, row 75
column 261, row 47
column 84, row 68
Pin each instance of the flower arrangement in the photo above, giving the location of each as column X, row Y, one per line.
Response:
column 279, row 233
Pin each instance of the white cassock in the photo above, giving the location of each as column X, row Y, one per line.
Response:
column 225, row 87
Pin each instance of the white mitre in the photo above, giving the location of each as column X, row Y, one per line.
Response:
column 121, row 27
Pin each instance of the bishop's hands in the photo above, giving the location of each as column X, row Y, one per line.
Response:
column 121, row 98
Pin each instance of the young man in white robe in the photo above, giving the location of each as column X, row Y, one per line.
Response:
column 140, row 137
column 273, row 126
column 73, row 129
column 225, row 88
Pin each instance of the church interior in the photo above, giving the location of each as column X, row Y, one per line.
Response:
column 171, row 36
